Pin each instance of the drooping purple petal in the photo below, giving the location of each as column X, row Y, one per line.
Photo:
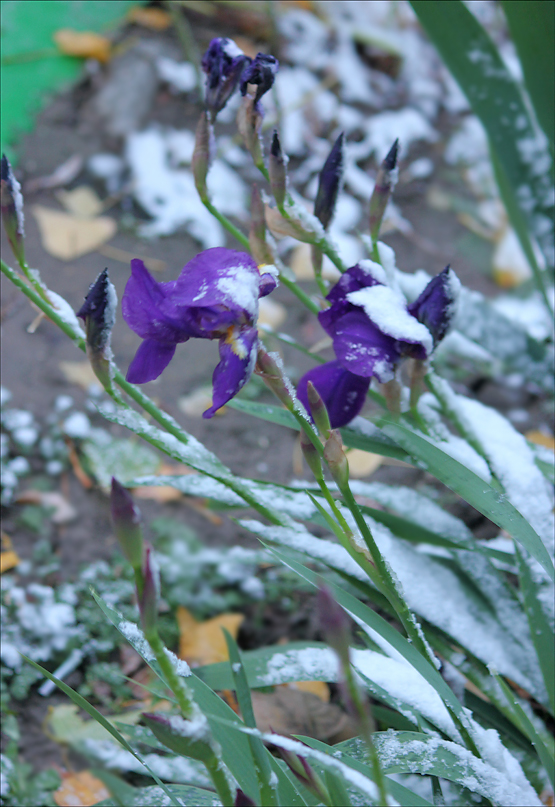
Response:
column 147, row 308
column 363, row 348
column 343, row 392
column 237, row 360
column 437, row 305
column 261, row 71
column 151, row 359
column 268, row 280
column 221, row 277
column 223, row 63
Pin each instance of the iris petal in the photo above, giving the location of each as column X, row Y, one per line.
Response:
column 147, row 307
column 237, row 360
column 151, row 359
column 343, row 392
column 363, row 349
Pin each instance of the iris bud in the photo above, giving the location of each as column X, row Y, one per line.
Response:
column 11, row 202
column 336, row 459
column 202, row 154
column 330, row 181
column 99, row 315
column 298, row 765
column 318, row 411
column 334, row 624
column 386, row 180
column 260, row 249
column 148, row 599
column 277, row 171
column 311, row 455
column 126, row 518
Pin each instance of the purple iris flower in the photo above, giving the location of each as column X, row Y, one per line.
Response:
column 261, row 71
column 223, row 63
column 373, row 330
column 214, row 297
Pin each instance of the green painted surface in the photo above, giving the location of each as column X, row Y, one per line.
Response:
column 31, row 67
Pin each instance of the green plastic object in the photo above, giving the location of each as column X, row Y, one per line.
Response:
column 32, row 68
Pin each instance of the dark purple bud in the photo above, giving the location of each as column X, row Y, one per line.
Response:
column 331, row 178
column 242, row 800
column 386, row 180
column 202, row 154
column 318, row 410
column 298, row 765
column 277, row 171
column 148, row 600
column 11, row 202
column 437, row 305
column 261, row 71
column 99, row 315
column 334, row 624
column 126, row 518
column 337, row 461
column 223, row 64
column 187, row 737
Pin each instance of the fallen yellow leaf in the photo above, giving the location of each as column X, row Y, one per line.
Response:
column 86, row 44
column 154, row 18
column 203, row 642
column 362, row 463
column 541, row 439
column 8, row 560
column 81, row 202
column 270, row 313
column 80, row 790
column 79, row 372
column 319, row 688
column 158, row 493
column 66, row 237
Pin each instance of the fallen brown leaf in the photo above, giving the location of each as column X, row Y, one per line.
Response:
column 63, row 513
column 8, row 560
column 121, row 255
column 66, row 237
column 154, row 18
column 271, row 313
column 79, row 372
column 203, row 642
column 80, row 790
column 62, row 175
column 158, row 493
column 75, row 462
column 362, row 463
column 86, row 44
column 81, row 202
column 292, row 711
column 196, row 402
column 319, row 688
column 541, row 439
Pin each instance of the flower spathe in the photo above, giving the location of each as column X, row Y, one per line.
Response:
column 373, row 330
column 214, row 297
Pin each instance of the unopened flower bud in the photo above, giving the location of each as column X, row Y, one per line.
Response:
column 270, row 367
column 437, row 305
column 298, row 765
column 335, row 456
column 202, row 154
column 277, row 171
column 260, row 249
column 148, row 599
column 311, row 455
column 126, row 518
column 334, row 624
column 186, row 737
column 99, row 315
column 11, row 202
column 386, row 180
column 318, row 411
column 249, row 123
column 329, row 185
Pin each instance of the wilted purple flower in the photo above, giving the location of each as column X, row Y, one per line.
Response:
column 214, row 297
column 330, row 181
column 373, row 330
column 11, row 202
column 223, row 63
column 261, row 71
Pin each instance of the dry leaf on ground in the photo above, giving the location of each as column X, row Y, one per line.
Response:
column 81, row 202
column 541, row 439
column 62, row 175
column 158, row 493
column 79, row 372
column 293, row 711
column 121, row 255
column 154, row 18
column 66, row 237
column 271, row 313
column 86, row 44
column 80, row 790
column 362, row 463
column 196, row 402
column 63, row 513
column 203, row 642
column 8, row 557
column 301, row 264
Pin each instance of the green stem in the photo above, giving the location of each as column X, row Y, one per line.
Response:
column 218, row 776
column 225, row 222
column 311, row 304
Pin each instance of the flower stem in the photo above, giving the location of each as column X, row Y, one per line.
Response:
column 225, row 222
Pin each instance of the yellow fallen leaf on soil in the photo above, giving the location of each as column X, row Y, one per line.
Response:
column 541, row 439
column 86, row 44
column 319, row 688
column 66, row 237
column 271, row 313
column 362, row 463
column 80, row 790
column 197, row 402
column 158, row 493
column 8, row 560
column 79, row 372
column 203, row 642
column 301, row 264
column 82, row 202
column 154, row 18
